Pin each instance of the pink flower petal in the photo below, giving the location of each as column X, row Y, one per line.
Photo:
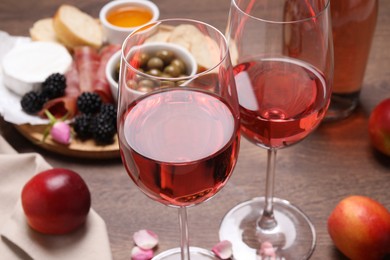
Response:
column 145, row 239
column 60, row 132
column 223, row 249
column 267, row 250
column 138, row 253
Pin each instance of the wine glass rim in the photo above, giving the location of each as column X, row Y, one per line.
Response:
column 317, row 14
column 158, row 22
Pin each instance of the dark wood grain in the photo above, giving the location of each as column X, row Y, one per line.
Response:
column 335, row 161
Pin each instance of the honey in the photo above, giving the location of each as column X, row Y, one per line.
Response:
column 129, row 16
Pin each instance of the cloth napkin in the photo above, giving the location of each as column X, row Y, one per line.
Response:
column 18, row 240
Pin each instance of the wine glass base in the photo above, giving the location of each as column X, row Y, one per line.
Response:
column 196, row 253
column 293, row 237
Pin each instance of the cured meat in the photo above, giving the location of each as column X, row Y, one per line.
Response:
column 59, row 107
column 66, row 105
column 101, row 85
column 87, row 63
column 86, row 74
column 72, row 82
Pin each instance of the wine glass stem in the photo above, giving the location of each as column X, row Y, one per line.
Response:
column 184, row 238
column 267, row 221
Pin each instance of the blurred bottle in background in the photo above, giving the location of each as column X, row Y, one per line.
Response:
column 353, row 26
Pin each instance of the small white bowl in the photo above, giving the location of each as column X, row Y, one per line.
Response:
column 116, row 34
column 111, row 67
column 151, row 47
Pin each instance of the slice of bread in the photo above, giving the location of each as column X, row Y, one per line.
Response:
column 43, row 30
column 76, row 28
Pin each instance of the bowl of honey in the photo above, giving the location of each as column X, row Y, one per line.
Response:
column 121, row 17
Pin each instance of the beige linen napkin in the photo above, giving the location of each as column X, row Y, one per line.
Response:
column 18, row 240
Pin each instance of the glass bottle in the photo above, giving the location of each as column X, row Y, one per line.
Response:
column 353, row 26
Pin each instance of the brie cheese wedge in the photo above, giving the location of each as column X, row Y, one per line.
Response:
column 26, row 66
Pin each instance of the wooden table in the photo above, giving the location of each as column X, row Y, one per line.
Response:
column 335, row 161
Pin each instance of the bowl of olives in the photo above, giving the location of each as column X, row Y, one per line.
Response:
column 112, row 73
column 163, row 60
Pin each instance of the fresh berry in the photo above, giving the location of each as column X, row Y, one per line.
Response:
column 32, row 102
column 103, row 130
column 108, row 113
column 82, row 127
column 109, row 110
column 89, row 103
column 54, row 86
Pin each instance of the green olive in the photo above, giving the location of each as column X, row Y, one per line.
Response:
column 165, row 55
column 132, row 84
column 143, row 89
column 180, row 65
column 143, row 59
column 154, row 72
column 155, row 63
column 174, row 71
column 167, row 84
column 146, row 85
column 165, row 75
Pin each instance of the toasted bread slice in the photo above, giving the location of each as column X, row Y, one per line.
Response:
column 43, row 30
column 76, row 28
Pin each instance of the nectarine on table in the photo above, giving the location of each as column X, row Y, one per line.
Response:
column 360, row 228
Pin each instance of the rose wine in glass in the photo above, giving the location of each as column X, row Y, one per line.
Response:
column 178, row 133
column 184, row 143
column 283, row 98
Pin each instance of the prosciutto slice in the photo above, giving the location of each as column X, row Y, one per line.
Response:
column 101, row 85
column 87, row 62
column 72, row 82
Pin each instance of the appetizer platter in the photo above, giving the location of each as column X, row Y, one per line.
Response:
column 60, row 71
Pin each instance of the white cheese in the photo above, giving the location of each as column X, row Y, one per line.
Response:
column 26, row 66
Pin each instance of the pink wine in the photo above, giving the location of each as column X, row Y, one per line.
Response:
column 281, row 100
column 179, row 146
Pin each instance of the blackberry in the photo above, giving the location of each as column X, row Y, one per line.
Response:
column 89, row 103
column 108, row 111
column 82, row 126
column 103, row 130
column 32, row 102
column 54, row 86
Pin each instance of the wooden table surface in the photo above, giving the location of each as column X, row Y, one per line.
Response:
column 335, row 161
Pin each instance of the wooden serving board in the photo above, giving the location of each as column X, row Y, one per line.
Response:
column 77, row 148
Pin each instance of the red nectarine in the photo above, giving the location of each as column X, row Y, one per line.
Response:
column 379, row 127
column 56, row 201
column 360, row 228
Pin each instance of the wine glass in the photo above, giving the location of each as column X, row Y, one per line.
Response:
column 178, row 131
column 283, row 64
